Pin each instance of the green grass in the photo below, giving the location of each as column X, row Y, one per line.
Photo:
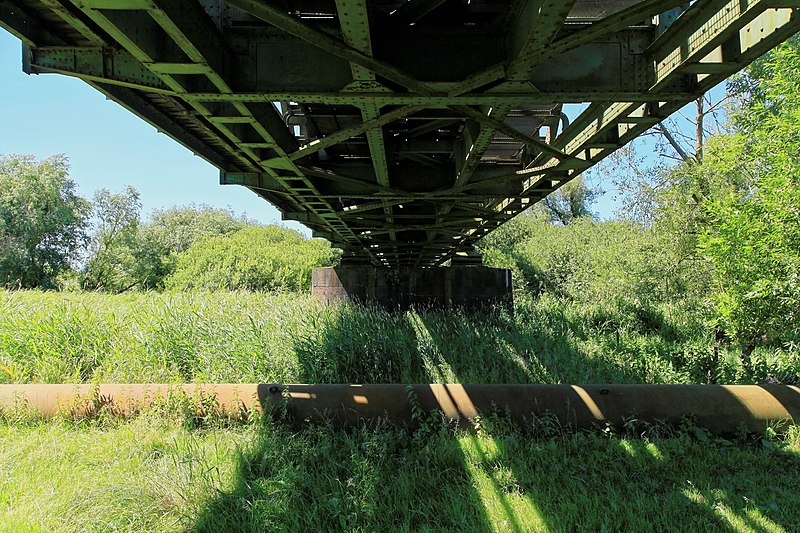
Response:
column 159, row 472
column 244, row 337
column 155, row 474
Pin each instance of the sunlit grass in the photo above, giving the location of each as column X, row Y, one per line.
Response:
column 245, row 337
column 506, row 505
column 158, row 474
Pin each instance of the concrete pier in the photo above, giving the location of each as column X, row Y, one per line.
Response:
column 468, row 287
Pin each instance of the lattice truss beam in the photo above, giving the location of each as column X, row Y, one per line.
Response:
column 401, row 130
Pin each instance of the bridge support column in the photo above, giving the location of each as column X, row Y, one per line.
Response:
column 468, row 287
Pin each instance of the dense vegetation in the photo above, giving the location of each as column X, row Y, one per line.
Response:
column 246, row 337
column 52, row 239
column 255, row 259
column 41, row 221
column 719, row 231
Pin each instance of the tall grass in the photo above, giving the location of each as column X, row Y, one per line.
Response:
column 274, row 337
column 161, row 472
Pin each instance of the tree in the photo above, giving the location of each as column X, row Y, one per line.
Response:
column 177, row 228
column 662, row 178
column 651, row 169
column 571, row 201
column 752, row 88
column 42, row 220
column 111, row 263
column 170, row 232
column 126, row 253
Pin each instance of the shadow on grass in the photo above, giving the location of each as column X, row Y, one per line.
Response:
column 317, row 478
column 366, row 479
column 486, row 349
column 355, row 344
column 383, row 478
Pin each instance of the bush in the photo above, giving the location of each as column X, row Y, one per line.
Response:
column 170, row 232
column 255, row 259
column 753, row 233
column 591, row 261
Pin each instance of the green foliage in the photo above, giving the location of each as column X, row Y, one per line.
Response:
column 229, row 337
column 590, row 261
column 571, row 202
column 726, row 226
column 42, row 220
column 126, row 253
column 754, row 87
column 752, row 235
column 254, row 258
column 153, row 474
column 170, row 232
column 177, row 228
column 111, row 262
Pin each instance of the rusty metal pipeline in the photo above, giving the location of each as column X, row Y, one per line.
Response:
column 718, row 408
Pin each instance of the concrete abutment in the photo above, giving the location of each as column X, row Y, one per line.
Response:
column 467, row 287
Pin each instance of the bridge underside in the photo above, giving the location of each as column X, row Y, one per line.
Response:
column 403, row 131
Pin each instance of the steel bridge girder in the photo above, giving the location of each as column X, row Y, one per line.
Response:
column 401, row 150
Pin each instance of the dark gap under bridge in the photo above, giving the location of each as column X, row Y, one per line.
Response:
column 401, row 130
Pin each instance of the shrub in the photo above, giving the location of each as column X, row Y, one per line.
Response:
column 753, row 233
column 255, row 258
column 591, row 261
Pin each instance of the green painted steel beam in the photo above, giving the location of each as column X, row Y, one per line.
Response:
column 636, row 14
column 266, row 11
column 499, row 126
column 535, row 27
column 355, row 27
column 519, row 97
column 742, row 27
column 102, row 65
column 25, row 25
column 190, row 134
column 190, row 29
column 358, row 129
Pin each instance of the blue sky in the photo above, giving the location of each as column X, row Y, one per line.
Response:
column 109, row 147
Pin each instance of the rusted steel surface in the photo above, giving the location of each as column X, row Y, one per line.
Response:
column 718, row 408
column 72, row 399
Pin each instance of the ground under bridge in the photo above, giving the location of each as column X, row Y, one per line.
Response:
column 401, row 130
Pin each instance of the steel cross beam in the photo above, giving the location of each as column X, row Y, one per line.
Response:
column 539, row 22
column 192, row 33
column 354, row 22
column 401, row 131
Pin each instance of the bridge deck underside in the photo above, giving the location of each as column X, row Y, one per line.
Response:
column 403, row 131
